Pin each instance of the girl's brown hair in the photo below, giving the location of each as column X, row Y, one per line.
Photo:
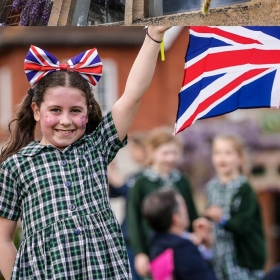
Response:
column 239, row 146
column 162, row 135
column 22, row 127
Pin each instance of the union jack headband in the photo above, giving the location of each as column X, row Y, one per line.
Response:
column 38, row 63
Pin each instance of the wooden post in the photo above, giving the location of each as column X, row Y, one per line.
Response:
column 62, row 12
column 128, row 12
column 134, row 10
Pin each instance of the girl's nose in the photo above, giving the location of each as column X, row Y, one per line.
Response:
column 65, row 120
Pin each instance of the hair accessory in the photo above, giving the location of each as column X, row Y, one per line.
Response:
column 39, row 63
column 31, row 92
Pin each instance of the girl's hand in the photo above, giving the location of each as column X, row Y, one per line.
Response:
column 159, row 29
column 142, row 264
column 202, row 224
column 215, row 213
column 157, row 32
column 196, row 238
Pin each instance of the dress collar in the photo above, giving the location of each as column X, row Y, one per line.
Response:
column 34, row 147
column 153, row 176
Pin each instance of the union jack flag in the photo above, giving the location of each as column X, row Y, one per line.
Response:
column 227, row 68
column 38, row 63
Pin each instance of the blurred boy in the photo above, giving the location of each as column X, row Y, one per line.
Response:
column 166, row 213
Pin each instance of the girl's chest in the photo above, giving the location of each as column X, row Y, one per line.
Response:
column 73, row 172
column 222, row 197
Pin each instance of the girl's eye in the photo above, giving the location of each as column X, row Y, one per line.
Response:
column 76, row 111
column 55, row 110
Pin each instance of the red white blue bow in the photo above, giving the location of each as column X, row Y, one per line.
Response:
column 39, row 63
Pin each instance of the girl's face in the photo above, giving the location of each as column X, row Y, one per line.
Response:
column 225, row 158
column 63, row 116
column 166, row 156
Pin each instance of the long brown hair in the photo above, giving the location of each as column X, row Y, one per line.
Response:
column 22, row 127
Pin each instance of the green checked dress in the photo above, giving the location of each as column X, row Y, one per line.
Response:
column 69, row 229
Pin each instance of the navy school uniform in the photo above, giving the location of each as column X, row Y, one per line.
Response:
column 188, row 263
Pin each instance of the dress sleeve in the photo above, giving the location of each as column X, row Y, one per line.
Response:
column 245, row 203
column 107, row 139
column 9, row 198
column 135, row 218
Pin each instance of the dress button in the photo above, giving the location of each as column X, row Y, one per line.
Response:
column 72, row 207
column 63, row 163
column 68, row 184
column 78, row 231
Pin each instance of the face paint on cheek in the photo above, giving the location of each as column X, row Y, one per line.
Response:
column 84, row 122
column 48, row 120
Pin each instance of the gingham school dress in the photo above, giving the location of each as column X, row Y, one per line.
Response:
column 224, row 260
column 69, row 229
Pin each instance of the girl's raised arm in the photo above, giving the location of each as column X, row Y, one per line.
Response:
column 138, row 81
column 7, row 248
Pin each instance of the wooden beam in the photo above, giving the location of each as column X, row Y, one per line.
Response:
column 62, row 12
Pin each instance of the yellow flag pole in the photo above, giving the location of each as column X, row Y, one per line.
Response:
column 162, row 50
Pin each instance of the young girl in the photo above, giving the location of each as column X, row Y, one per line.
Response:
column 239, row 251
column 58, row 186
column 164, row 155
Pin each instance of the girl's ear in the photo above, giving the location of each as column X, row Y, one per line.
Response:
column 176, row 219
column 36, row 111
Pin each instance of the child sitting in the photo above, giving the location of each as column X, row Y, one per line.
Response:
column 166, row 213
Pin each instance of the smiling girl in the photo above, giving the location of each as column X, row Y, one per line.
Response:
column 58, row 185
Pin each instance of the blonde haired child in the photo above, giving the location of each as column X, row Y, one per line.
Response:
column 239, row 250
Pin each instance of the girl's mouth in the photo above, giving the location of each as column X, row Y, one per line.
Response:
column 64, row 132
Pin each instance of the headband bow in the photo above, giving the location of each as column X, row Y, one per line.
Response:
column 39, row 63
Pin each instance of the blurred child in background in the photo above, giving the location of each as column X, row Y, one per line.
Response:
column 166, row 213
column 239, row 250
column 164, row 154
column 121, row 188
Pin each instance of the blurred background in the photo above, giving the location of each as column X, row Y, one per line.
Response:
column 118, row 47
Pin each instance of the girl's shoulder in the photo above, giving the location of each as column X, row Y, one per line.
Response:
column 18, row 158
column 31, row 149
column 245, row 187
column 145, row 175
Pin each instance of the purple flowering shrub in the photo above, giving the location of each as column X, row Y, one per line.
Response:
column 197, row 141
column 33, row 12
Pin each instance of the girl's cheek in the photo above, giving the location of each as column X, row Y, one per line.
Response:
column 48, row 120
column 84, row 122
